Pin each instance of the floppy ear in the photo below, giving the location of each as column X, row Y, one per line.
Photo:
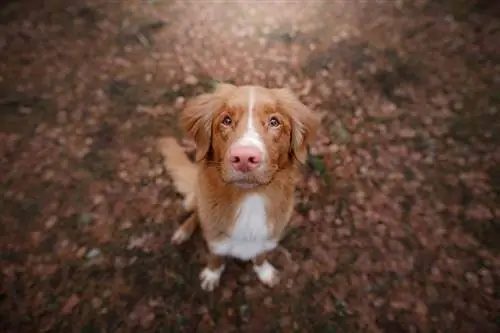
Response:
column 305, row 122
column 196, row 118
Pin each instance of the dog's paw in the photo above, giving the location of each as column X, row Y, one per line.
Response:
column 179, row 236
column 267, row 274
column 210, row 278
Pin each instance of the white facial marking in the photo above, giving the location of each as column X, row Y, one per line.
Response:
column 266, row 273
column 251, row 137
column 251, row 105
column 210, row 278
column 250, row 235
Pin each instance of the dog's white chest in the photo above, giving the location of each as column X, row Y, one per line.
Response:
column 250, row 235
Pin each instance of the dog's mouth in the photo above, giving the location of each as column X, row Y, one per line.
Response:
column 248, row 181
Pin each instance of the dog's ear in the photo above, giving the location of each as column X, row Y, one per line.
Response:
column 196, row 118
column 305, row 122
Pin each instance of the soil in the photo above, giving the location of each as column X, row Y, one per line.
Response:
column 397, row 226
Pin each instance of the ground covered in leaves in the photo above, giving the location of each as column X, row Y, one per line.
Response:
column 397, row 226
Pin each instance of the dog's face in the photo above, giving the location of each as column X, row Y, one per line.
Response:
column 249, row 133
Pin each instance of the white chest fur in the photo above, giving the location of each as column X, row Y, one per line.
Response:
column 250, row 235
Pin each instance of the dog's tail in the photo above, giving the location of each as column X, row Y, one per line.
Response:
column 184, row 173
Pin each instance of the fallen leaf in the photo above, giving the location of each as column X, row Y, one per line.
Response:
column 51, row 221
column 70, row 304
column 191, row 80
column 153, row 111
column 36, row 238
column 313, row 185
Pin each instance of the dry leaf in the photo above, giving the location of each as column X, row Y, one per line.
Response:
column 70, row 304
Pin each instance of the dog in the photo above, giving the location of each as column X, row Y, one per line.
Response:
column 251, row 142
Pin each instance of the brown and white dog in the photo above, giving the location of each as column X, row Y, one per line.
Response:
column 251, row 142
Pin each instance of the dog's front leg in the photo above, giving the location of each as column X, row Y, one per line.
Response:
column 266, row 272
column 210, row 275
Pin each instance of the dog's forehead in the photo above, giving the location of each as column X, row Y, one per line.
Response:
column 251, row 98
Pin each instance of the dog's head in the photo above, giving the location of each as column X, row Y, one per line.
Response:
column 249, row 132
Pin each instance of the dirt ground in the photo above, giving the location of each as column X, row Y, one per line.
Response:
column 397, row 226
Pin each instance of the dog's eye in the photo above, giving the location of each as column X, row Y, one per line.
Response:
column 227, row 121
column 274, row 122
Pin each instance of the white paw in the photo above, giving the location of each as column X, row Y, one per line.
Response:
column 210, row 278
column 179, row 237
column 267, row 274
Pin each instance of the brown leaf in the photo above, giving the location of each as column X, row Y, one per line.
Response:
column 313, row 215
column 36, row 238
column 50, row 222
column 399, row 304
column 313, row 185
column 154, row 112
column 139, row 242
column 407, row 133
column 421, row 309
column 102, row 231
column 70, row 304
column 146, row 319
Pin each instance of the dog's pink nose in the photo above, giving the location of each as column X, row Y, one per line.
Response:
column 245, row 158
